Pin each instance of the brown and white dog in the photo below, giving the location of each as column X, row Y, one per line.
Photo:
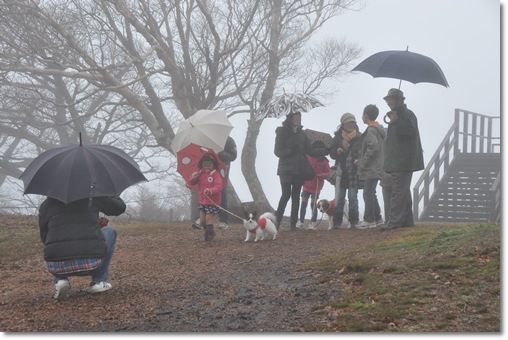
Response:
column 327, row 207
column 261, row 227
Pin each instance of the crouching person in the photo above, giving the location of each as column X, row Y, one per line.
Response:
column 76, row 241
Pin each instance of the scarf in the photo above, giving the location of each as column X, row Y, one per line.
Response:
column 347, row 137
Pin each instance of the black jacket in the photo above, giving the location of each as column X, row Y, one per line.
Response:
column 289, row 147
column 403, row 150
column 229, row 153
column 71, row 231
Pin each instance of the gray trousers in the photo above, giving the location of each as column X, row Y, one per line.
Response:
column 387, row 197
column 401, row 204
column 337, row 183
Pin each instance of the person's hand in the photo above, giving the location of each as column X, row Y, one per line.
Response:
column 339, row 151
column 195, row 174
column 393, row 116
column 356, row 162
column 103, row 221
column 208, row 192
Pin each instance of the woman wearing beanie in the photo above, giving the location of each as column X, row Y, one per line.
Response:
column 345, row 149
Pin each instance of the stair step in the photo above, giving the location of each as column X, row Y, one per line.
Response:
column 464, row 191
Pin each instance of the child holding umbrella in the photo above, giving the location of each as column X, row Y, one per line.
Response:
column 209, row 185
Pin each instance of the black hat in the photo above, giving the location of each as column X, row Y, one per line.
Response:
column 395, row 93
column 318, row 144
column 319, row 148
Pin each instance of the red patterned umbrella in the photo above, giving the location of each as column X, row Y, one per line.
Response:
column 188, row 159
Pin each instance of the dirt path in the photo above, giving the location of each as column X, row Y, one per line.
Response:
column 169, row 280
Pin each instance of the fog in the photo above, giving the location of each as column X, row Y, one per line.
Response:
column 463, row 37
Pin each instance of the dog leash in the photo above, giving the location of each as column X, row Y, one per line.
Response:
column 218, row 206
column 232, row 214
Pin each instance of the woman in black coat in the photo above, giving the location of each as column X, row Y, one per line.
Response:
column 291, row 144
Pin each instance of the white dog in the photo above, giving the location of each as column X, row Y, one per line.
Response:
column 327, row 207
column 261, row 226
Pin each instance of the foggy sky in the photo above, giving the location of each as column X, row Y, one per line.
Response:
column 462, row 36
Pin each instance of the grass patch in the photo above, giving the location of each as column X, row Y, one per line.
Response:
column 424, row 279
column 19, row 237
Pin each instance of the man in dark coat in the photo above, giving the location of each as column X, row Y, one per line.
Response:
column 403, row 156
column 74, row 242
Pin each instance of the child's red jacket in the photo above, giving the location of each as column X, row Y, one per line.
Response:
column 208, row 180
column 321, row 167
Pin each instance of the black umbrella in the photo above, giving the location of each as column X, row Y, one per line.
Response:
column 403, row 65
column 72, row 172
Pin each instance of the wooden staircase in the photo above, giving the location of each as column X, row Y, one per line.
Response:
column 462, row 181
column 464, row 193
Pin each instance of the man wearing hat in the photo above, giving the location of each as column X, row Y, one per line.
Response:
column 403, row 156
column 345, row 150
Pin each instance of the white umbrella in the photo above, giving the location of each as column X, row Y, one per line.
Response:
column 208, row 128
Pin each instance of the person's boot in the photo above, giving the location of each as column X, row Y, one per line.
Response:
column 337, row 220
column 292, row 222
column 278, row 217
column 353, row 218
column 209, row 232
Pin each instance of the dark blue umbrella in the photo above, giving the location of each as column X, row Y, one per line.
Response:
column 403, row 65
column 72, row 172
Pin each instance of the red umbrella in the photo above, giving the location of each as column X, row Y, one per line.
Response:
column 188, row 159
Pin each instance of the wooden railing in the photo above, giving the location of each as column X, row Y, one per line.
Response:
column 470, row 133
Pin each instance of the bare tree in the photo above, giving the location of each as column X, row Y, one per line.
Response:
column 127, row 72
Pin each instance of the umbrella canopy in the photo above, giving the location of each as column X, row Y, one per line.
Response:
column 282, row 105
column 208, row 128
column 188, row 159
column 73, row 172
column 403, row 65
column 314, row 135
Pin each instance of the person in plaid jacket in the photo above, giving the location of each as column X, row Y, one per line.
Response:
column 75, row 244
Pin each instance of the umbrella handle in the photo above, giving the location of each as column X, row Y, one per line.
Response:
column 386, row 118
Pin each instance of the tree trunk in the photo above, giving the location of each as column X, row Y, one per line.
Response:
column 249, row 154
column 194, row 205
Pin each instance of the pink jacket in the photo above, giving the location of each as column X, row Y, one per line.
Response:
column 322, row 169
column 208, row 180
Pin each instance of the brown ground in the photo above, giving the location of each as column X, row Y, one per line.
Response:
column 169, row 280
